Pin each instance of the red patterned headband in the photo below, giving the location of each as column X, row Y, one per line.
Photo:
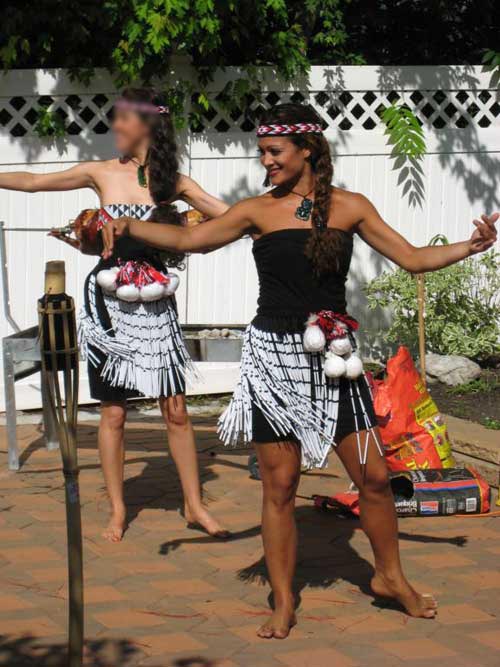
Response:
column 142, row 107
column 296, row 128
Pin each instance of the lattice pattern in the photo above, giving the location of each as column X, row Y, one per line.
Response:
column 360, row 110
column 340, row 110
column 19, row 115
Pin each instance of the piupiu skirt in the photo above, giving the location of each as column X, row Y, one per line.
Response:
column 283, row 394
column 132, row 349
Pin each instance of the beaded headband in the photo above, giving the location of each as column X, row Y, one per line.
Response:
column 296, row 128
column 142, row 107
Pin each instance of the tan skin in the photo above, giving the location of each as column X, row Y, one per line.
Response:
column 289, row 168
column 116, row 182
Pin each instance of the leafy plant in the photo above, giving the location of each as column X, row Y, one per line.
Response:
column 407, row 137
column 462, row 309
column 145, row 40
column 494, row 424
column 404, row 131
column 491, row 59
column 483, row 384
column 49, row 123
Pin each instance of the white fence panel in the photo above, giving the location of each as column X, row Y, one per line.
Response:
column 458, row 106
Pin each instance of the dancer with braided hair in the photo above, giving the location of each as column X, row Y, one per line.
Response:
column 136, row 349
column 301, row 389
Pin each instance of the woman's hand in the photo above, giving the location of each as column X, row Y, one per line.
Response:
column 485, row 234
column 112, row 230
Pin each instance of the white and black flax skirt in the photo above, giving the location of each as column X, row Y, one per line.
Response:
column 132, row 349
column 283, row 394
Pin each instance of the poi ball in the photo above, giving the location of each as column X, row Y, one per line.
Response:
column 128, row 293
column 152, row 292
column 341, row 346
column 172, row 285
column 353, row 367
column 115, row 270
column 107, row 280
column 334, row 366
column 314, row 339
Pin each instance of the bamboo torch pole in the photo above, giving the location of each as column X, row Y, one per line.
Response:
column 59, row 354
column 421, row 324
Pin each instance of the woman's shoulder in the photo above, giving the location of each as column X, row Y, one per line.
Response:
column 349, row 200
column 104, row 166
column 348, row 208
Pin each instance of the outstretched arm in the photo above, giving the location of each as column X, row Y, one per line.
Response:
column 214, row 233
column 194, row 195
column 379, row 235
column 81, row 176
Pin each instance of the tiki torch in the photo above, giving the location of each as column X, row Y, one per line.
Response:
column 59, row 355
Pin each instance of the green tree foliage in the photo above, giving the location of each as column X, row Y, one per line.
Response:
column 407, row 137
column 135, row 39
column 288, row 33
column 462, row 307
column 404, row 131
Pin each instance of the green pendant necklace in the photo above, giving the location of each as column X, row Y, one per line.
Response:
column 141, row 172
column 303, row 210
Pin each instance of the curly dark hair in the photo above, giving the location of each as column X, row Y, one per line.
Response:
column 163, row 164
column 325, row 245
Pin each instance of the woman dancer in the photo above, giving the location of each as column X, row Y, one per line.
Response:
column 136, row 349
column 287, row 401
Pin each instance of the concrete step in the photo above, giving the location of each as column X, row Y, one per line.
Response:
column 477, row 446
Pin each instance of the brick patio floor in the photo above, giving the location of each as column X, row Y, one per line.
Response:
column 171, row 597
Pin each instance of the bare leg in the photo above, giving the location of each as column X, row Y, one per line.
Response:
column 111, row 451
column 279, row 465
column 183, row 449
column 379, row 521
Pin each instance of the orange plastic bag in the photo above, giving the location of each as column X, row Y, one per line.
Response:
column 413, row 432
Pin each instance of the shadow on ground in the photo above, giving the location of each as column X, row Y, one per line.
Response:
column 31, row 652
column 325, row 555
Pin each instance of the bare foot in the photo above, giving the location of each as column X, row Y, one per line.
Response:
column 116, row 526
column 416, row 604
column 279, row 625
column 202, row 519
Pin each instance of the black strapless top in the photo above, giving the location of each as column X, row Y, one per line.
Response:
column 288, row 287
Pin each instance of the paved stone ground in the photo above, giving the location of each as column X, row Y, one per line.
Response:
column 172, row 597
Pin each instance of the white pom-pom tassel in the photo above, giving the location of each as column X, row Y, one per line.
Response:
column 341, row 346
column 334, row 366
column 353, row 367
column 107, row 280
column 152, row 292
column 172, row 285
column 314, row 339
column 128, row 293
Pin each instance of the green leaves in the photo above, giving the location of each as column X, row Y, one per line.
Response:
column 491, row 58
column 408, row 149
column 404, row 131
column 136, row 40
column 49, row 124
column 462, row 307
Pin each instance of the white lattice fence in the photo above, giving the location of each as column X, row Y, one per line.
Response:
column 458, row 107
column 456, row 102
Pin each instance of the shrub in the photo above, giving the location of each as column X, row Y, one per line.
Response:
column 462, row 307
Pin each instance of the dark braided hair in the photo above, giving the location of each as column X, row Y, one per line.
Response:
column 324, row 246
column 163, row 164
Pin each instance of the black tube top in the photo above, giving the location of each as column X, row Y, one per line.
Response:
column 288, row 288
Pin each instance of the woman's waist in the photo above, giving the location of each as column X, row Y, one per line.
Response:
column 137, row 258
column 288, row 321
